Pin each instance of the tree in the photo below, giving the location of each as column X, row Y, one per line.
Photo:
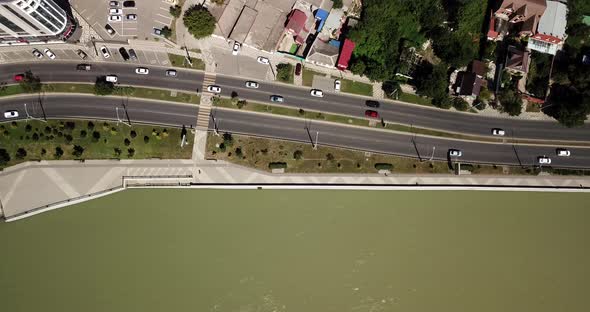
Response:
column 31, row 83
column 117, row 151
column 133, row 134
column 103, row 87
column 432, row 81
column 127, row 142
column 21, row 153
column 4, row 157
column 297, row 155
column 166, row 32
column 199, row 21
column 78, row 151
column 175, row 10
column 569, row 106
column 146, row 139
column 228, row 139
column 391, row 88
column 284, row 72
column 58, row 152
column 460, row 104
column 130, row 152
column 337, row 4
column 239, row 152
column 83, row 133
column 95, row 136
column 511, row 102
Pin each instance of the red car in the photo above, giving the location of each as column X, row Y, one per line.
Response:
column 371, row 114
column 19, row 77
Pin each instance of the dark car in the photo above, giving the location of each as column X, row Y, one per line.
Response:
column 132, row 54
column 298, row 69
column 129, row 4
column 371, row 114
column 83, row 67
column 124, row 53
column 371, row 103
column 109, row 29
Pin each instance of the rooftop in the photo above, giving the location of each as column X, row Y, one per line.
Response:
column 554, row 20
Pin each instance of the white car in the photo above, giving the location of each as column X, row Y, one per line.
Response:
column 114, row 3
column 105, row 52
column 236, row 48
column 317, row 93
column 142, row 71
column 10, row 114
column 337, row 85
column 252, row 84
column 49, row 54
column 37, row 53
column 214, row 89
column 263, row 60
column 455, row 153
column 171, row 73
column 114, row 18
column 112, row 78
column 276, row 98
column 544, row 160
column 498, row 132
column 115, row 11
column 562, row 152
column 131, row 17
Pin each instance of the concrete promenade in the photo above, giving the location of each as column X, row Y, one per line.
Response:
column 34, row 185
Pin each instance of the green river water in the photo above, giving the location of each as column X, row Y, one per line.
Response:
column 302, row 251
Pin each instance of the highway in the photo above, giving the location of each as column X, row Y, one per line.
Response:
column 298, row 97
column 272, row 126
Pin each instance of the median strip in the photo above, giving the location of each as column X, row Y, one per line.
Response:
column 378, row 125
column 81, row 88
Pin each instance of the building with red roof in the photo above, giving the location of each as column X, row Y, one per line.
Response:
column 297, row 20
column 345, row 54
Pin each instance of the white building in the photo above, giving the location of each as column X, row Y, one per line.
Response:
column 550, row 35
column 28, row 19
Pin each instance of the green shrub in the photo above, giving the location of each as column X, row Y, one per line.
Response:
column 383, row 166
column 277, row 165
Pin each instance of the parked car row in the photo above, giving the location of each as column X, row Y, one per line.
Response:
column 116, row 14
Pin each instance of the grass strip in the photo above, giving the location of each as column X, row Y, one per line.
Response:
column 76, row 139
column 180, row 61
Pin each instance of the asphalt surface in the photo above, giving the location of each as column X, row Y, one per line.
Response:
column 298, row 97
column 264, row 125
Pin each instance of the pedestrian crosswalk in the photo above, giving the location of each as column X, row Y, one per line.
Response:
column 205, row 105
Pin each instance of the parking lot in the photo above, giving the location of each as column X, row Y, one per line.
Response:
column 144, row 56
column 149, row 14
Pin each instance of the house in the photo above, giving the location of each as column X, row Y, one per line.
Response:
column 296, row 22
column 520, row 16
column 469, row 83
column 345, row 54
column 323, row 54
column 517, row 61
column 550, row 34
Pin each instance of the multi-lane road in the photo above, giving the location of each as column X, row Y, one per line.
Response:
column 298, row 97
column 166, row 113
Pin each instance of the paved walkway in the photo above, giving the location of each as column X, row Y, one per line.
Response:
column 36, row 184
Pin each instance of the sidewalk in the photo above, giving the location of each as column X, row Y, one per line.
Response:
column 55, row 181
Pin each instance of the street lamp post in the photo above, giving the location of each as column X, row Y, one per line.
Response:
column 215, row 127
column 315, row 145
column 31, row 117
column 432, row 156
